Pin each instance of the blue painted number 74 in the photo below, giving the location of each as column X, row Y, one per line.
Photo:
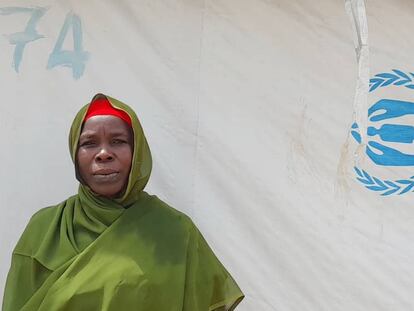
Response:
column 75, row 59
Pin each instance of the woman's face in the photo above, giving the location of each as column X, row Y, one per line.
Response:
column 104, row 155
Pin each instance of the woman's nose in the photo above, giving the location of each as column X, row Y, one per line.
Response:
column 104, row 155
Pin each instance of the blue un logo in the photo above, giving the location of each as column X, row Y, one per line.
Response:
column 388, row 138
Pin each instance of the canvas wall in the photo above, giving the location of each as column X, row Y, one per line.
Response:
column 261, row 120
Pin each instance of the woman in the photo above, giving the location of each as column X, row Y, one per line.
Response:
column 113, row 246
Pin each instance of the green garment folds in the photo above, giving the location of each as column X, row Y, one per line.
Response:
column 91, row 253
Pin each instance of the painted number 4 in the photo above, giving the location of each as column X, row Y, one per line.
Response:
column 75, row 59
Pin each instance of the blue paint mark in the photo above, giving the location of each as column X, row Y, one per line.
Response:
column 388, row 156
column 356, row 136
column 74, row 59
column 20, row 39
column 390, row 109
column 355, row 132
column 380, row 154
column 395, row 133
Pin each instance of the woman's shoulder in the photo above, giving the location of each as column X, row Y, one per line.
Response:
column 37, row 228
column 162, row 212
column 42, row 216
column 41, row 219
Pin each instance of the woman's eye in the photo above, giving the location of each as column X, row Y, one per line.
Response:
column 87, row 143
column 119, row 141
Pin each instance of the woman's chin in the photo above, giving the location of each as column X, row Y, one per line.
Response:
column 108, row 192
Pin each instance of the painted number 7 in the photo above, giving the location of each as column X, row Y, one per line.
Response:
column 74, row 59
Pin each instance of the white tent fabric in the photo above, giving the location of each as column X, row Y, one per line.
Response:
column 256, row 113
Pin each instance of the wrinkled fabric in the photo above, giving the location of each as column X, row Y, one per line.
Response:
column 130, row 253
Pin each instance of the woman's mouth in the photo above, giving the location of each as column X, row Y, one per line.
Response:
column 105, row 175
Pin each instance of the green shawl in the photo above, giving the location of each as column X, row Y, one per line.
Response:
column 131, row 253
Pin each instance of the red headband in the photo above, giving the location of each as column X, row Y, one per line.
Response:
column 102, row 106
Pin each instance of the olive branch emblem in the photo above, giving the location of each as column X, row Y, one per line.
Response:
column 385, row 187
column 398, row 78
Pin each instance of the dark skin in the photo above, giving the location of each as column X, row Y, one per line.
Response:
column 104, row 155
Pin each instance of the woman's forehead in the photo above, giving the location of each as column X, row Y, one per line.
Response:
column 107, row 123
